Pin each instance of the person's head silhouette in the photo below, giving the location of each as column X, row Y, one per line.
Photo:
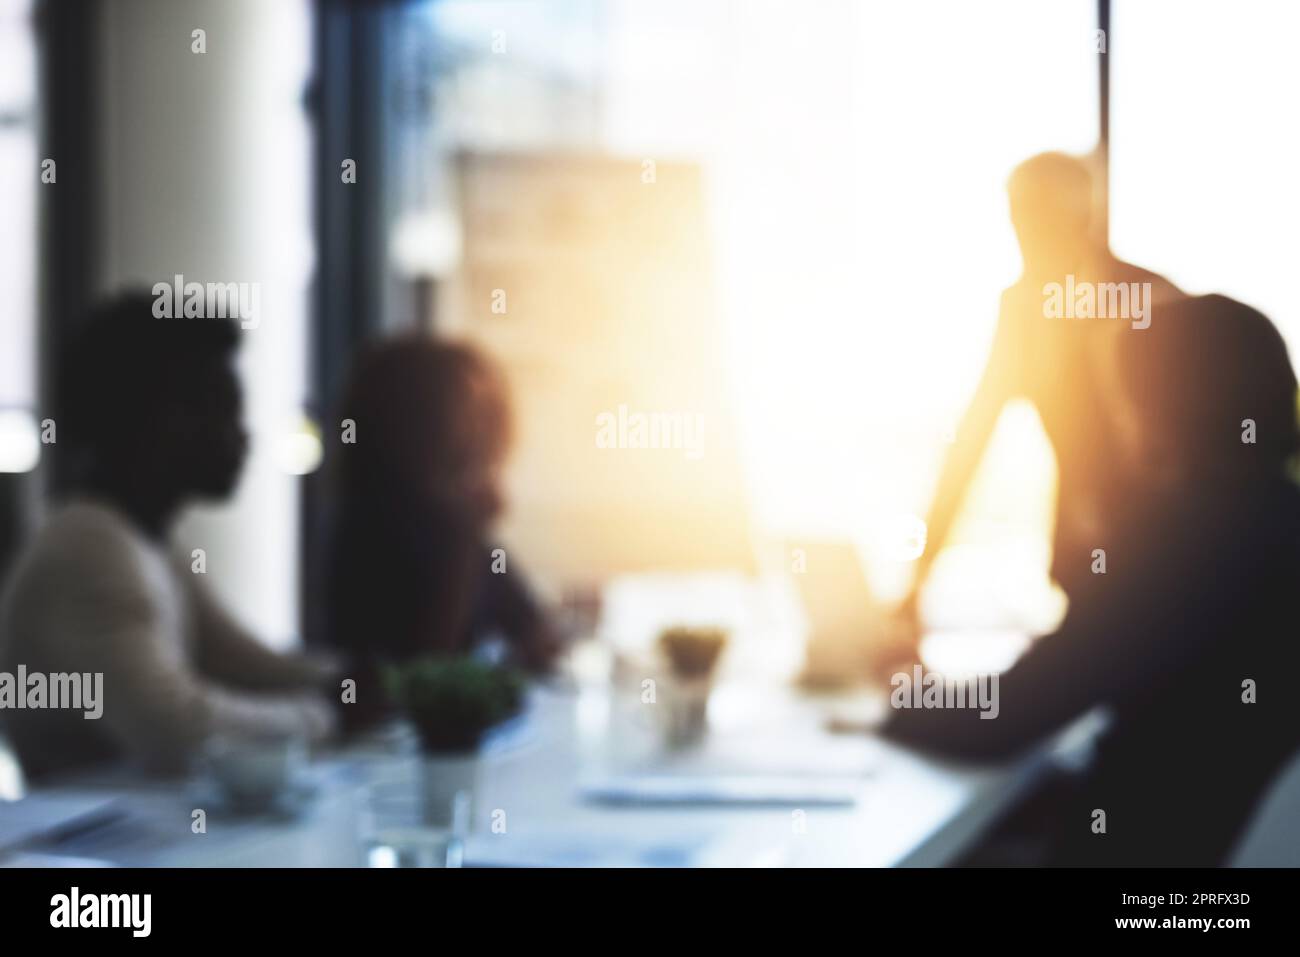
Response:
column 150, row 409
column 437, row 422
column 1051, row 210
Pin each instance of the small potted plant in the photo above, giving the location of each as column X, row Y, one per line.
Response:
column 692, row 654
column 453, row 703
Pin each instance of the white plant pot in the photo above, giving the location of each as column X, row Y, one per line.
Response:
column 448, row 785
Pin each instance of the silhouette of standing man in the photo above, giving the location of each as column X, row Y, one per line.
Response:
column 1056, row 363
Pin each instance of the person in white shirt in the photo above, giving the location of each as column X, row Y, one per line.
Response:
column 149, row 410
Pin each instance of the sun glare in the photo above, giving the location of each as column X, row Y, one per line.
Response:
column 863, row 240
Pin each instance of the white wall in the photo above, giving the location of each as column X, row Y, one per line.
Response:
column 206, row 163
column 1205, row 148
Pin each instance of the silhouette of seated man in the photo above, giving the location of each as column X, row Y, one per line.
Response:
column 149, row 411
column 1188, row 637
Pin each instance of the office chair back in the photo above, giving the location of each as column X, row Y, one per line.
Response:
column 1273, row 837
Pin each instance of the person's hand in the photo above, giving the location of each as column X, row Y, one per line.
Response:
column 318, row 719
column 538, row 650
column 326, row 668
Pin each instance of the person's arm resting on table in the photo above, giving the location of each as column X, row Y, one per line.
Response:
column 157, row 705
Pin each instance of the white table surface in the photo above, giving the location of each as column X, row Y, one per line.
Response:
column 911, row 810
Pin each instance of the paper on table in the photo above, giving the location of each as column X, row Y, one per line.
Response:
column 736, row 790
column 46, row 815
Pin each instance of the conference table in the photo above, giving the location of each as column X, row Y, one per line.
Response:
column 533, row 803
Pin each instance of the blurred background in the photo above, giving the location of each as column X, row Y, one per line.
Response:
column 783, row 224
column 786, row 219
